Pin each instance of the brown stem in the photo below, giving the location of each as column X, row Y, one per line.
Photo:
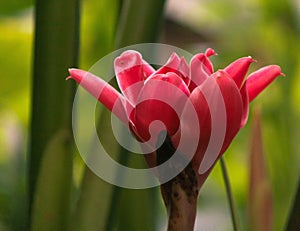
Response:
column 180, row 193
column 180, row 197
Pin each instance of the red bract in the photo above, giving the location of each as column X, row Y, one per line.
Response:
column 148, row 95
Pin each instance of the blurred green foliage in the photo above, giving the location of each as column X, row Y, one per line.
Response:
column 15, row 63
column 13, row 6
column 267, row 30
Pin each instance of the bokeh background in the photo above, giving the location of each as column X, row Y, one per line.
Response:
column 267, row 30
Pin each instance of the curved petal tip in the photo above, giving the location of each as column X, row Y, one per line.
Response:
column 76, row 74
column 209, row 52
column 128, row 59
column 260, row 79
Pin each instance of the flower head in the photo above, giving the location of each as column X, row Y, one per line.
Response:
column 149, row 95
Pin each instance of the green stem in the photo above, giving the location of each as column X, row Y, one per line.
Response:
column 139, row 22
column 233, row 209
column 55, row 50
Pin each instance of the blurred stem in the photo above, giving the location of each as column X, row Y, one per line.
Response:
column 233, row 209
column 55, row 49
column 139, row 22
column 294, row 221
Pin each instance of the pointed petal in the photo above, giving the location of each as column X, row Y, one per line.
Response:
column 184, row 71
column 200, row 68
column 147, row 69
column 131, row 71
column 209, row 52
column 238, row 69
column 102, row 91
column 199, row 71
column 176, row 65
column 171, row 65
column 260, row 79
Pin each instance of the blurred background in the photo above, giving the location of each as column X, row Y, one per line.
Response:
column 267, row 30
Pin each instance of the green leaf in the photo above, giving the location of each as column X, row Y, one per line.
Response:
column 52, row 198
column 93, row 205
column 92, row 209
column 55, row 50
column 136, row 209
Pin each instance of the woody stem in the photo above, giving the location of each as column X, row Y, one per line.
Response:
column 180, row 196
column 181, row 192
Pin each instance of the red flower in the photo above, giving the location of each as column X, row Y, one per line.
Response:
column 161, row 95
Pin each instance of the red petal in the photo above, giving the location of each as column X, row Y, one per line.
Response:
column 184, row 71
column 260, row 79
column 172, row 78
column 201, row 68
column 217, row 101
column 162, row 98
column 204, row 119
column 148, row 69
column 245, row 100
column 131, row 71
column 171, row 65
column 233, row 104
column 102, row 91
column 154, row 110
column 238, row 69
column 176, row 65
column 209, row 52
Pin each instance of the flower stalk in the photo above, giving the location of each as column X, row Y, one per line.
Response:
column 233, row 209
column 180, row 197
column 180, row 193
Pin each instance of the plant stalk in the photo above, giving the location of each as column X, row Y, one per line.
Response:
column 180, row 194
column 51, row 148
column 233, row 209
column 180, row 197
